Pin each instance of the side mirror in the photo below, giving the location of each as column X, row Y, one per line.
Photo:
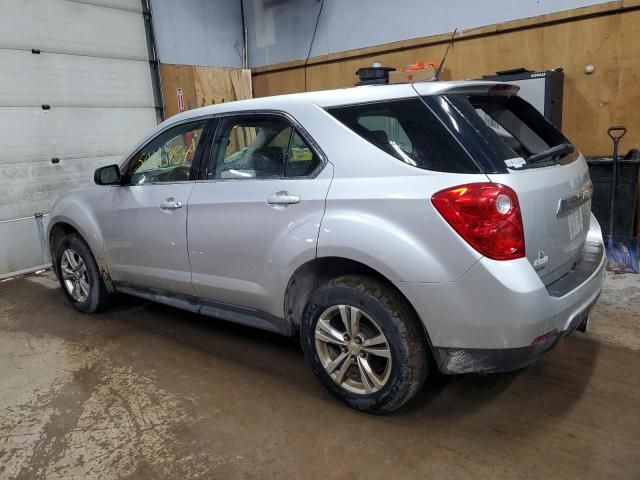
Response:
column 109, row 175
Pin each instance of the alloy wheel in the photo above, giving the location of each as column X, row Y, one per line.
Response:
column 353, row 349
column 75, row 275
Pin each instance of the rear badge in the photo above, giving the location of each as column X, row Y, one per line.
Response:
column 541, row 261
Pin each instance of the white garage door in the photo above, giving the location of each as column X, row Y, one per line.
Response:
column 93, row 72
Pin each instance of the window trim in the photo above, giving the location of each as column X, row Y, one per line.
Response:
column 295, row 126
column 195, row 165
column 286, row 163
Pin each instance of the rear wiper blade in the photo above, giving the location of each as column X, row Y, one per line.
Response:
column 553, row 152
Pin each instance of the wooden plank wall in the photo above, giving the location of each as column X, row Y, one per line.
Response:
column 606, row 36
column 202, row 86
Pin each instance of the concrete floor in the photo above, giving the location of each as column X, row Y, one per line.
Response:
column 144, row 391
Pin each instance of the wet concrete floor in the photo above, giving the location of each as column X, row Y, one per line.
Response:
column 144, row 391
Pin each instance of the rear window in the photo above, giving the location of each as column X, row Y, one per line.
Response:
column 513, row 128
column 408, row 131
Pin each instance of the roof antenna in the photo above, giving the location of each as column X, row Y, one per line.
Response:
column 436, row 77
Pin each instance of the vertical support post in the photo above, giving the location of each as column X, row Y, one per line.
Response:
column 44, row 245
column 154, row 62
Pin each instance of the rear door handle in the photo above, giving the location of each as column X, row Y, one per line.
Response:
column 282, row 198
column 170, row 205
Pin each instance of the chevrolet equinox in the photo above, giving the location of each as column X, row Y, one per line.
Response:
column 395, row 229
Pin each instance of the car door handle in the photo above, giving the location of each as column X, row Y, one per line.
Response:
column 282, row 198
column 172, row 205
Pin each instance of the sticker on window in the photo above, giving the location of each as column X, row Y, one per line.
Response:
column 515, row 163
column 301, row 154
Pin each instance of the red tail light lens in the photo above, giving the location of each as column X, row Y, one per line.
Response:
column 487, row 216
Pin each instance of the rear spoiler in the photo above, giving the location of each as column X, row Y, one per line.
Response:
column 468, row 88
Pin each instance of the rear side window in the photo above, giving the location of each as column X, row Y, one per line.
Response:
column 259, row 147
column 514, row 128
column 408, row 131
column 302, row 161
column 250, row 147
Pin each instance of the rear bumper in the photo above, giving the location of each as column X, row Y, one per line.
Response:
column 494, row 360
column 500, row 316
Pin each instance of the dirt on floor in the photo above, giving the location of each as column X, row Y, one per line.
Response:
column 144, row 391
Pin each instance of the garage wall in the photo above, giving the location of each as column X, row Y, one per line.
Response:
column 603, row 35
column 198, row 32
column 280, row 31
column 79, row 103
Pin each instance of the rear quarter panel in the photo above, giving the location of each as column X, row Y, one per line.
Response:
column 379, row 210
column 390, row 225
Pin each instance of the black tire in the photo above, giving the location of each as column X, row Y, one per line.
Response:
column 98, row 297
column 396, row 319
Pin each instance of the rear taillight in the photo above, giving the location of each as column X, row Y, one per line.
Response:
column 487, row 216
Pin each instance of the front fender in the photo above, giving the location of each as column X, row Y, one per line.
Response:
column 82, row 211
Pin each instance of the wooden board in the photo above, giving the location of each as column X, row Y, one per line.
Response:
column 276, row 83
column 174, row 77
column 202, row 86
column 212, row 85
column 607, row 39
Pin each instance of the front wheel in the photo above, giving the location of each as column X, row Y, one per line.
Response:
column 363, row 341
column 79, row 275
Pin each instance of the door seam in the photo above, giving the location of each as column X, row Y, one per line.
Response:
column 324, row 210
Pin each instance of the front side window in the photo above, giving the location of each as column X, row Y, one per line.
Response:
column 408, row 131
column 168, row 157
column 259, row 147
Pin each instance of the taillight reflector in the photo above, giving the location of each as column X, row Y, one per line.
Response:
column 551, row 334
column 485, row 215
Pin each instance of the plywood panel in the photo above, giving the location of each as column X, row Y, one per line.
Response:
column 592, row 102
column 173, row 78
column 219, row 85
column 213, row 85
column 241, row 81
column 202, row 86
column 277, row 83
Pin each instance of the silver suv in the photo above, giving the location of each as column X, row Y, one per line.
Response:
column 396, row 229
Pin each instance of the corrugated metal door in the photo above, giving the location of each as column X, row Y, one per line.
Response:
column 92, row 70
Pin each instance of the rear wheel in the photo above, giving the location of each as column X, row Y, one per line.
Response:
column 363, row 342
column 79, row 275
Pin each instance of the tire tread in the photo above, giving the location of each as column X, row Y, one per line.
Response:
column 99, row 298
column 415, row 359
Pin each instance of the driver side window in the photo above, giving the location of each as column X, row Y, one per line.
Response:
column 168, row 157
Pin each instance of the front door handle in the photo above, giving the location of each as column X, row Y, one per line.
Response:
column 282, row 198
column 170, row 205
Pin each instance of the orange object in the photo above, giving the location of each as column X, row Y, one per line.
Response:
column 411, row 76
column 420, row 65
